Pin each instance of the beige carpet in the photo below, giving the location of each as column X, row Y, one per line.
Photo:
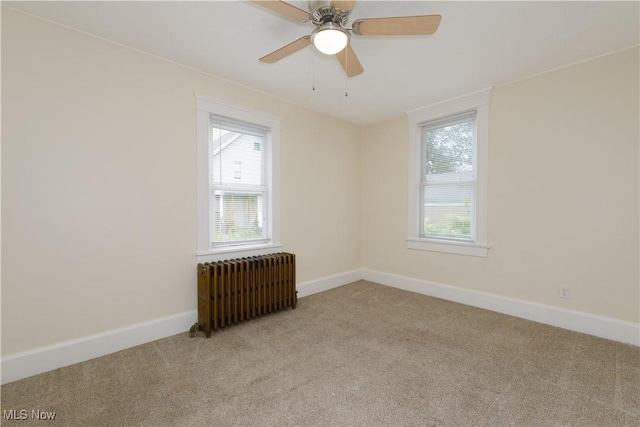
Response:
column 361, row 354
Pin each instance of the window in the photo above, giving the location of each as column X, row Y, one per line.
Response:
column 237, row 170
column 448, row 170
column 237, row 184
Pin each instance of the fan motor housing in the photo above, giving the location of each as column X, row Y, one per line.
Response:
column 322, row 12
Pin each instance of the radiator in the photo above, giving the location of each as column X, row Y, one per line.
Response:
column 236, row 290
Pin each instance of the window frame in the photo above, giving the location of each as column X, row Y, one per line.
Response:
column 205, row 107
column 478, row 102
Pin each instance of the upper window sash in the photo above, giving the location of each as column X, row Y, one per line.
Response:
column 223, row 135
column 444, row 122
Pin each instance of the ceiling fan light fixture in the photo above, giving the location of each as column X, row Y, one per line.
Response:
column 330, row 38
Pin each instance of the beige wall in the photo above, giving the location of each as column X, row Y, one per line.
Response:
column 98, row 188
column 99, row 184
column 563, row 193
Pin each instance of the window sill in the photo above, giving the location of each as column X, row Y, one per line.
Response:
column 459, row 248
column 230, row 252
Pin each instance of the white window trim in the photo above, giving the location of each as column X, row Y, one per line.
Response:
column 478, row 101
column 205, row 106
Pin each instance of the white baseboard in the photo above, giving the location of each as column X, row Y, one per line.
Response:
column 33, row 362
column 325, row 283
column 591, row 324
column 25, row 364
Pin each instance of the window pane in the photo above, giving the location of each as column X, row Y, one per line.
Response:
column 234, row 158
column 447, row 211
column 238, row 217
column 449, row 147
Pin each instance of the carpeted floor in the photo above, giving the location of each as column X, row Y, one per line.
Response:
column 361, row 354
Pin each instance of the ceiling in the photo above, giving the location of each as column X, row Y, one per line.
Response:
column 478, row 45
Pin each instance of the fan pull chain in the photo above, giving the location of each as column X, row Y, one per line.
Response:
column 346, row 77
column 313, row 71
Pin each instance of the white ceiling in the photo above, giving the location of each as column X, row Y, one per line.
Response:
column 478, row 44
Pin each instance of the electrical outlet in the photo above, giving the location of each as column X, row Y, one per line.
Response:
column 565, row 293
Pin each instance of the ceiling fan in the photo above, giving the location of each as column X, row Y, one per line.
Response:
column 331, row 35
